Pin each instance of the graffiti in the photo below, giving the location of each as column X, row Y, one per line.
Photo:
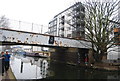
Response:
column 57, row 43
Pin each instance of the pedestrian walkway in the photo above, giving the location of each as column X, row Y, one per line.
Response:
column 102, row 66
column 106, row 66
column 0, row 77
column 8, row 76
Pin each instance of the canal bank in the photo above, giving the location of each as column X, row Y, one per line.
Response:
column 96, row 66
column 106, row 66
column 101, row 66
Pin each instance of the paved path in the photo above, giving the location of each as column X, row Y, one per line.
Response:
column 0, row 77
column 106, row 66
column 8, row 76
column 102, row 66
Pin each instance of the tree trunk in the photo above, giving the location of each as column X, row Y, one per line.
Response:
column 90, row 56
column 104, row 57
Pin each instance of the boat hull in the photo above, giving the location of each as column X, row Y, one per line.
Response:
column 33, row 55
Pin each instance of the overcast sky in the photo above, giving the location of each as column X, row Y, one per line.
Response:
column 36, row 11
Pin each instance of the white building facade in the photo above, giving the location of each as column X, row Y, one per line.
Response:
column 69, row 23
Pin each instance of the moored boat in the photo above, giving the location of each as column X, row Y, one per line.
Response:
column 42, row 55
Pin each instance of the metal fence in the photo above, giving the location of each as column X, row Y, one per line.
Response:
column 23, row 26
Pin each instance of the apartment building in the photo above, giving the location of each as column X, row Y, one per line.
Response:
column 69, row 23
column 117, row 36
column 119, row 11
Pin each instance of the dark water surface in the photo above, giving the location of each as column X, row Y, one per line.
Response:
column 39, row 68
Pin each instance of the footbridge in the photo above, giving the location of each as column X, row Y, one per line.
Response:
column 66, row 50
column 16, row 37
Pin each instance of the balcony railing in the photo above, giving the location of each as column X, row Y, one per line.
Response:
column 24, row 26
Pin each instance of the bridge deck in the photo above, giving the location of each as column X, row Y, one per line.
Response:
column 8, row 36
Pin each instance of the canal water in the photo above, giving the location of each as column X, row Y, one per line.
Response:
column 25, row 67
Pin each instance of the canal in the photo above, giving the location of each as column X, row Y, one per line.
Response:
column 25, row 67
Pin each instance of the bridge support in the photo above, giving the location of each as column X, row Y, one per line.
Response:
column 72, row 56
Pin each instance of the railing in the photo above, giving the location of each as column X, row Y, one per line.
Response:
column 23, row 26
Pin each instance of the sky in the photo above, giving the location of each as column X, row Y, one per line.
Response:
column 33, row 11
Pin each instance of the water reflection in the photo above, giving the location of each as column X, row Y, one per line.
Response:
column 29, row 67
column 38, row 68
column 62, row 71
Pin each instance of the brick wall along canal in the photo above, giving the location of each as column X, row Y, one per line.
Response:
column 39, row 68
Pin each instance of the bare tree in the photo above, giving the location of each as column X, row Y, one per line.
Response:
column 99, row 26
column 4, row 22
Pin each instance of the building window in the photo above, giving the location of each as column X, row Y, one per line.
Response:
column 68, row 35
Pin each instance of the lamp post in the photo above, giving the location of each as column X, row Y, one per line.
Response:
column 41, row 28
column 32, row 27
column 19, row 24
